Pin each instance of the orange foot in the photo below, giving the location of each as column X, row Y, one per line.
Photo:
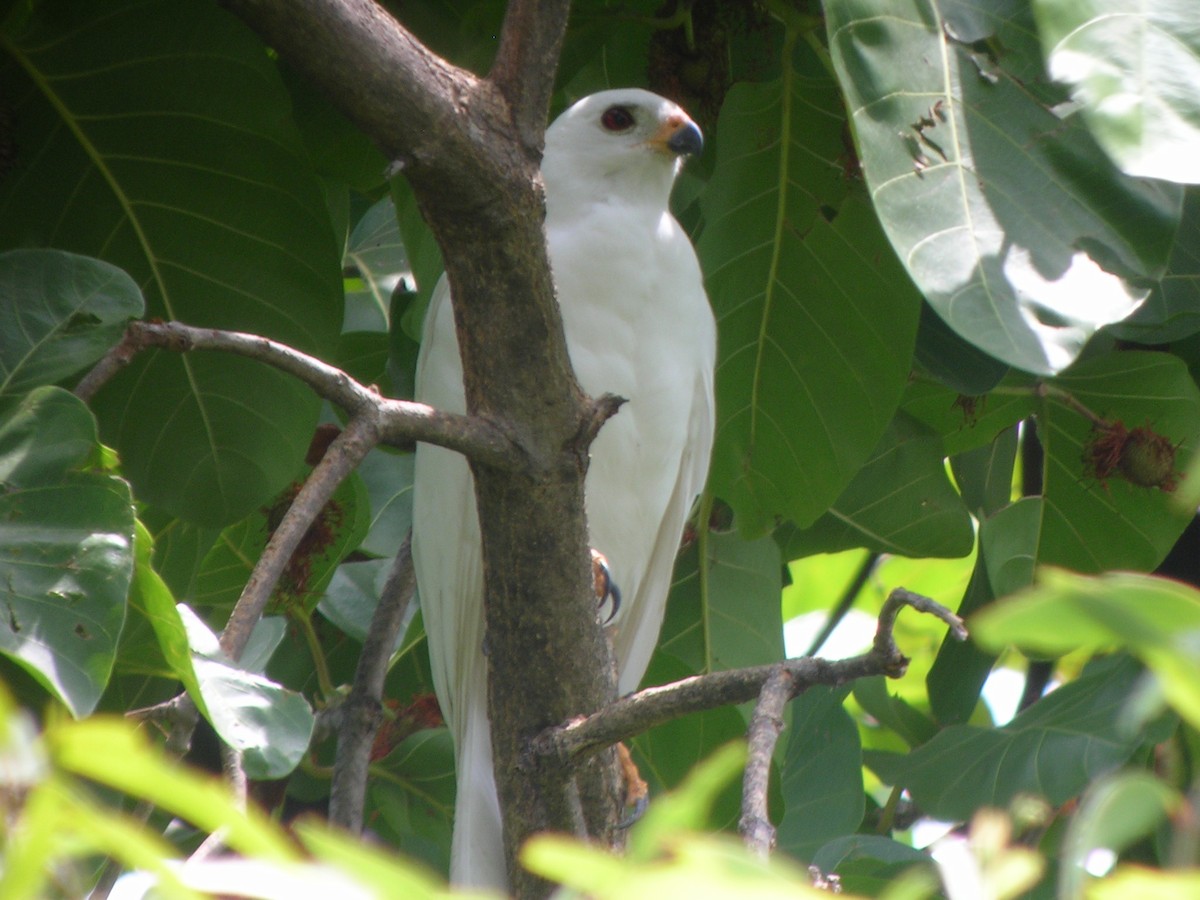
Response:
column 637, row 792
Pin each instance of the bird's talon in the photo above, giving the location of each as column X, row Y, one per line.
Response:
column 639, row 809
column 604, row 584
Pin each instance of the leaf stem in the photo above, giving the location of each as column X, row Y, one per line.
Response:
column 303, row 620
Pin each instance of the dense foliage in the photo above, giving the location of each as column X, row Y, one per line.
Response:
column 950, row 248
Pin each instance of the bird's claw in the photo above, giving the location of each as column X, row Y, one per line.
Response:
column 604, row 584
column 637, row 792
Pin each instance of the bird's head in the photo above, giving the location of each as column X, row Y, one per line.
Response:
column 628, row 144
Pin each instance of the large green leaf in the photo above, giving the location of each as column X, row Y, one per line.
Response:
column 899, row 502
column 154, row 134
column 1052, row 749
column 1156, row 619
column 1017, row 227
column 729, row 616
column 725, row 618
column 66, row 549
column 956, row 678
column 1092, row 525
column 817, row 320
column 1173, row 309
column 1135, row 68
column 58, row 313
column 821, row 775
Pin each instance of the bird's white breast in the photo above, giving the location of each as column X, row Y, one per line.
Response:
column 638, row 325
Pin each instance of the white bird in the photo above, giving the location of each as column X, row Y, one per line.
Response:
column 637, row 324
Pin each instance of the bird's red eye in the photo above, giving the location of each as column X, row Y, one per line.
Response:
column 617, row 118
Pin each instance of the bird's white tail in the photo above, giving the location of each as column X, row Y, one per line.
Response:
column 477, row 853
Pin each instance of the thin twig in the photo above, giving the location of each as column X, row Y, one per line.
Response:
column 765, row 727
column 361, row 714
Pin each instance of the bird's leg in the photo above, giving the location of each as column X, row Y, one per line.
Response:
column 637, row 792
column 605, row 586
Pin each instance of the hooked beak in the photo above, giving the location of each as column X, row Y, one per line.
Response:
column 678, row 136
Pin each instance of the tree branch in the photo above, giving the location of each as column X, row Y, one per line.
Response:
column 361, row 714
column 342, row 458
column 641, row 711
column 469, row 150
column 765, row 727
column 399, row 422
column 530, row 40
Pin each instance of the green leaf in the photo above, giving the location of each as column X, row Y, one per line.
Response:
column 968, row 422
column 690, row 806
column 155, row 135
column 816, row 318
column 731, row 616
column 985, row 474
column 1147, row 884
column 58, row 313
column 1053, row 749
column 1013, row 222
column 821, row 774
column 270, row 725
column 66, row 549
column 1156, row 619
column 1173, row 309
column 667, row 754
column 892, row 711
column 1135, row 70
column 384, row 872
column 865, row 846
column 388, row 479
column 414, row 804
column 899, row 502
column 112, row 752
column 349, row 600
column 338, row 529
column 375, row 254
column 1091, row 526
column 154, row 598
column 1009, row 544
column 424, row 256
column 1116, row 811
column 956, row 678
column 952, row 360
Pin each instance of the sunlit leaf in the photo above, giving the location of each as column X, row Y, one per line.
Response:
column 66, row 549
column 1156, row 619
column 1134, row 68
column 1016, row 226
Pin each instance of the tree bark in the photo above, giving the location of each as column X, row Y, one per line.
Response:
column 470, row 148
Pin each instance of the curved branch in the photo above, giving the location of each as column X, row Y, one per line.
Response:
column 641, row 711
column 399, row 422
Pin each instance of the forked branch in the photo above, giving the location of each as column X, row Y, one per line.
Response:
column 638, row 712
